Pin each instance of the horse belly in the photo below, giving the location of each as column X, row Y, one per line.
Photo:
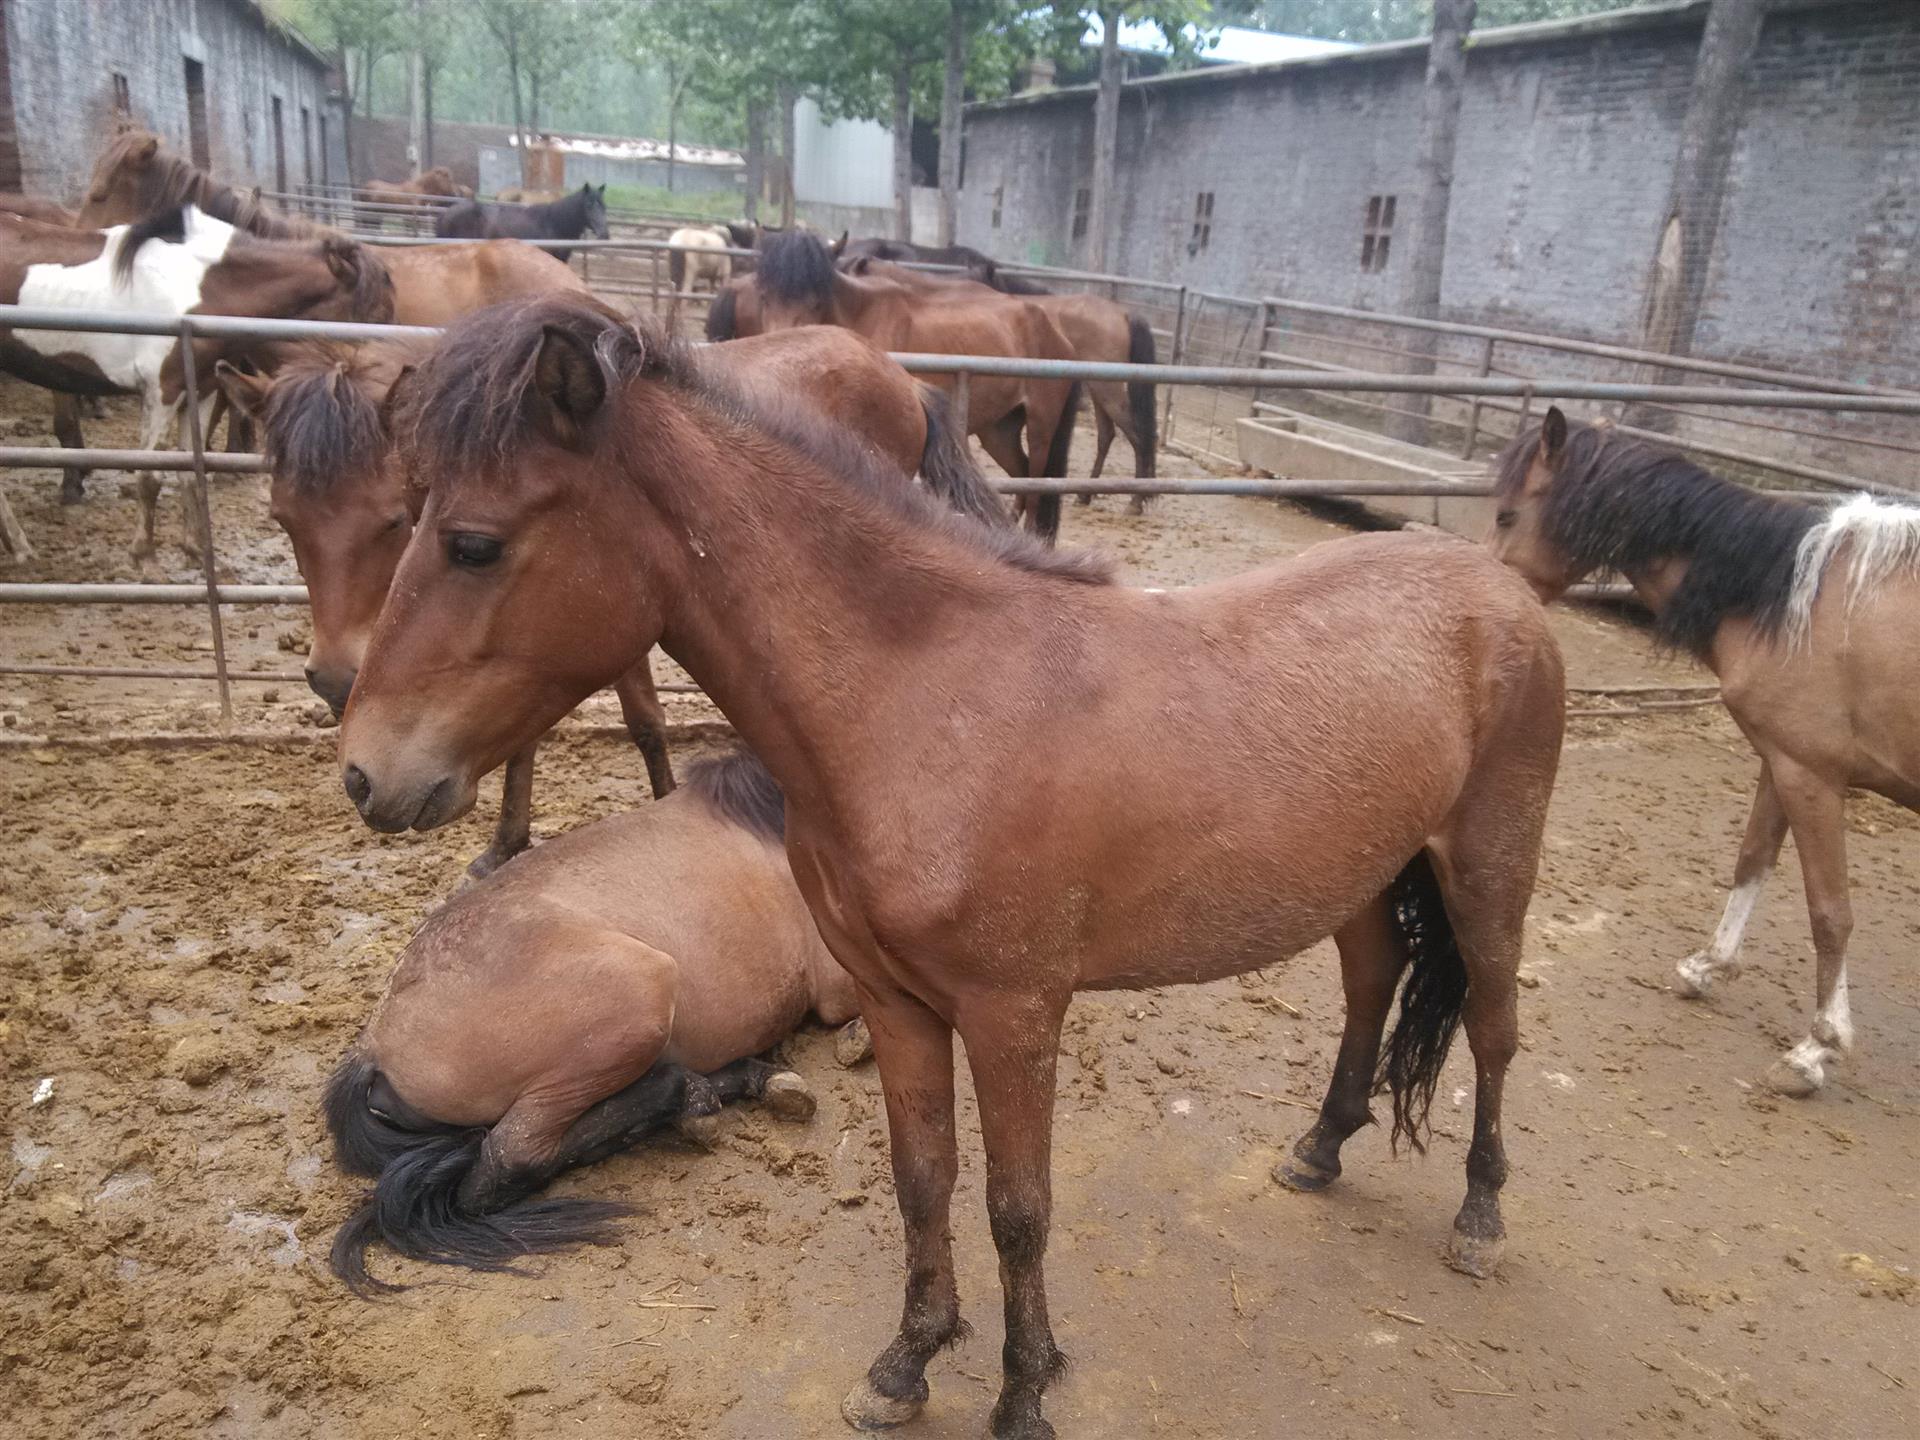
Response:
column 166, row 281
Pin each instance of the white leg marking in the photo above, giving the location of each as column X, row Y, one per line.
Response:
column 1699, row 970
column 1803, row 1069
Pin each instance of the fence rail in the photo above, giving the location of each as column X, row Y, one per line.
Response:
column 1186, row 334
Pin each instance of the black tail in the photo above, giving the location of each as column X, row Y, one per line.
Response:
column 1046, row 508
column 167, row 225
column 720, row 321
column 947, row 465
column 415, row 1205
column 1430, row 1000
column 1140, row 398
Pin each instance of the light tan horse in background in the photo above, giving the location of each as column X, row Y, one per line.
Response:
column 1806, row 614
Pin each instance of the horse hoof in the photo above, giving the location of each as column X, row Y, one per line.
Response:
column 1795, row 1079
column 1303, row 1175
column 853, row 1044
column 1478, row 1258
column 865, row 1408
column 1696, row 974
column 789, row 1097
column 71, row 493
column 701, row 1130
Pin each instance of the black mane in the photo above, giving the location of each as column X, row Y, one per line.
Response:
column 466, row 411
column 320, row 424
column 739, row 789
column 796, row 267
column 1621, row 504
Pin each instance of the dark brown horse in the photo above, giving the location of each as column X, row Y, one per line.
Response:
column 559, row 1012
column 584, row 212
column 1099, row 330
column 172, row 264
column 795, row 283
column 1807, row 616
column 984, row 811
column 344, row 506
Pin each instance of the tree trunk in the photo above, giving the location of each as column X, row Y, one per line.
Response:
column 1439, row 128
column 1683, row 251
column 426, row 108
column 756, row 157
column 533, row 103
column 346, row 76
column 674, row 90
column 952, row 92
column 519, row 123
column 788, row 99
column 903, row 153
column 1106, row 140
column 366, row 82
column 416, row 106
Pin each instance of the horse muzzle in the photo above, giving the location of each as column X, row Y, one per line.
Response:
column 391, row 808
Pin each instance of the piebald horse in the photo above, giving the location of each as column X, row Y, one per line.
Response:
column 1807, row 616
column 559, row 1012
column 795, row 283
column 173, row 264
column 343, row 503
column 1007, row 777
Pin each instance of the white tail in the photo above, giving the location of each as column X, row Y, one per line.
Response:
column 1882, row 539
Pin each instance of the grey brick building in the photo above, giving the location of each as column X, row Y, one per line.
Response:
column 218, row 79
column 1297, row 179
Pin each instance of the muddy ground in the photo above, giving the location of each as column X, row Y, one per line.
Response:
column 189, row 939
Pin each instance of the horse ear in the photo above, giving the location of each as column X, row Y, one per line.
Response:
column 838, row 247
column 1553, row 435
column 246, row 393
column 143, row 153
column 344, row 262
column 568, row 387
column 390, row 402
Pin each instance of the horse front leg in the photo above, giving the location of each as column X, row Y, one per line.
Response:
column 514, row 832
column 1759, row 851
column 1817, row 812
column 1013, row 1060
column 1372, row 956
column 646, row 723
column 914, row 1048
column 66, row 429
column 156, row 416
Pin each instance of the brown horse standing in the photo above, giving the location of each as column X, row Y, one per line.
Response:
column 559, row 1012
column 1805, row 614
column 983, row 809
column 424, row 194
column 795, row 283
column 343, row 503
column 1099, row 330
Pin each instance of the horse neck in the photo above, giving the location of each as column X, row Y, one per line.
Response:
column 812, row 614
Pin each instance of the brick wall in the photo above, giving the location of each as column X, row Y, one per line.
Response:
column 64, row 55
column 1567, row 142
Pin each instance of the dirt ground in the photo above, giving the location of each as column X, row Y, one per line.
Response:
column 190, row 938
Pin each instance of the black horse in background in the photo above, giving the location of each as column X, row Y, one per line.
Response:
column 567, row 218
column 979, row 266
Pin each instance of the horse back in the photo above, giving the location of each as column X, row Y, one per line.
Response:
column 465, row 221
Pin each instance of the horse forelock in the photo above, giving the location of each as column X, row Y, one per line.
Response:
column 796, row 268
column 321, row 422
column 1622, row 504
column 466, row 414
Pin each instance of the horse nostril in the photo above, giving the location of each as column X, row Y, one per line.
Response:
column 359, row 788
column 334, row 689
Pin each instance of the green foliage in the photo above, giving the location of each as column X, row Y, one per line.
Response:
column 1367, row 22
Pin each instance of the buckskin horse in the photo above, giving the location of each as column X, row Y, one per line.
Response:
column 172, row 264
column 984, row 811
column 583, row 212
column 559, row 1012
column 1806, row 615
column 343, row 504
column 795, row 283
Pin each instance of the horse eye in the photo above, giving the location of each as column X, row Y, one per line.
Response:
column 1505, row 518
column 473, row 552
column 398, row 522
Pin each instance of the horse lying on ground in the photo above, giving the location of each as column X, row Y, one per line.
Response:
column 343, row 503
column 168, row 265
column 619, row 979
column 984, row 809
column 584, row 212
column 1807, row 616
column 1098, row 330
column 795, row 283
column 688, row 268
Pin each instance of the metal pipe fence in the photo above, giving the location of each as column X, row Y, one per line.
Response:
column 1201, row 323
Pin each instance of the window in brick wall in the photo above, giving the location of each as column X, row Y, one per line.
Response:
column 999, row 198
column 122, row 95
column 199, row 143
column 1082, row 202
column 1377, row 236
column 279, row 147
column 1202, row 223
column 306, row 144
column 326, row 154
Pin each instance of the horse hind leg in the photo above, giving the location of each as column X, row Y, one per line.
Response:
column 1759, row 851
column 1373, row 953
column 66, row 429
column 647, row 723
column 1816, row 811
